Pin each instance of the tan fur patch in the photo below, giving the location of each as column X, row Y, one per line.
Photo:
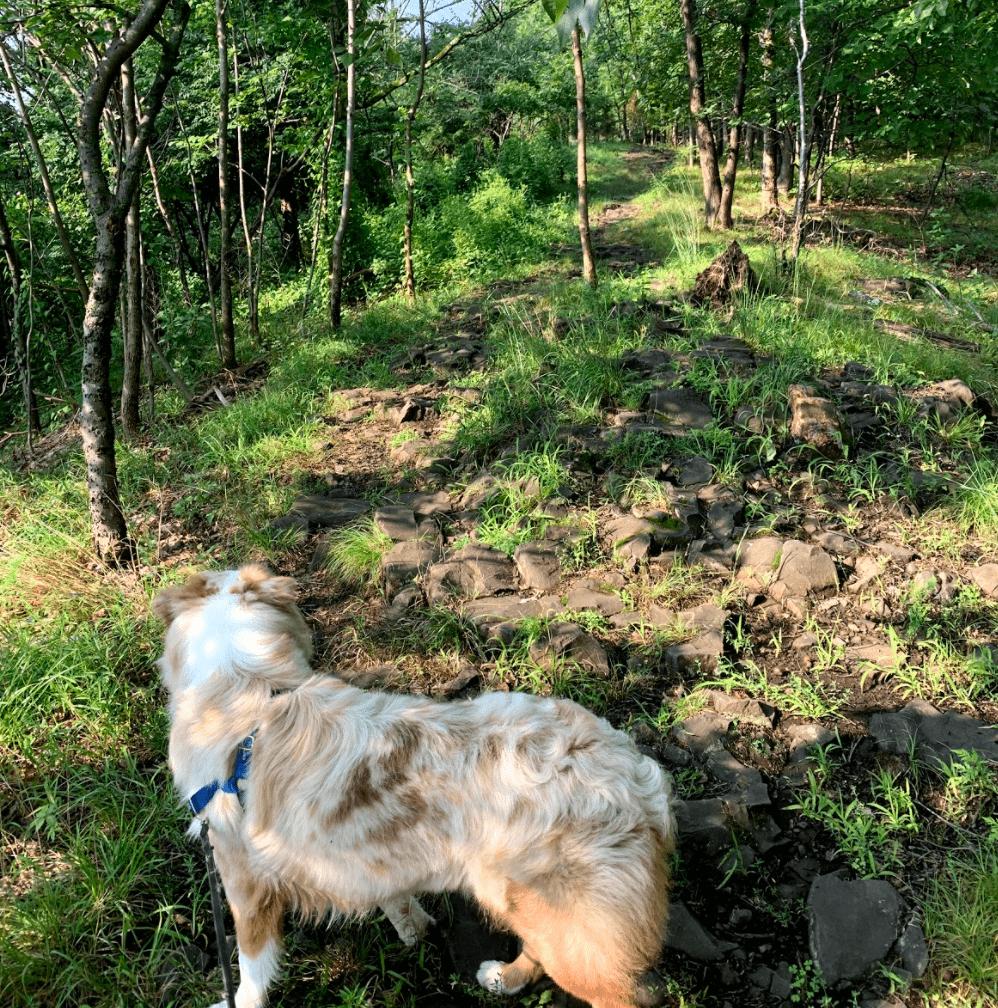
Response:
column 170, row 602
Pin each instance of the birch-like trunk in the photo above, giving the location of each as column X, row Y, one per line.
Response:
column 336, row 252
column 226, row 325
column 585, row 238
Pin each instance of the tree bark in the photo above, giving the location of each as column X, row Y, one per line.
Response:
column 585, row 238
column 786, row 173
column 131, row 320
column 409, row 285
column 253, row 310
column 704, row 135
column 336, row 252
column 804, row 152
column 735, row 128
column 226, row 324
column 18, row 341
column 111, row 539
column 768, row 198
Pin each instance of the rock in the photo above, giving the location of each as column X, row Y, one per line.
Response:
column 538, row 565
column 750, row 711
column 468, row 677
column 758, row 559
column 680, row 407
column 618, row 532
column 694, row 472
column 702, row 733
column 986, row 578
column 647, row 361
column 803, row 569
column 511, row 607
column 398, row 523
column 835, row 542
column 329, row 512
column 912, row 949
column 816, row 422
column 688, row 936
column 405, row 599
column 371, row 678
column 706, row 617
column 900, row 554
column 566, row 642
column 425, row 503
column 586, row 600
column 706, row 823
column 852, row 925
column 405, row 562
column 936, row 734
column 474, row 571
column 480, row 490
column 700, row 654
column 723, row 517
column 746, row 784
column 883, row 656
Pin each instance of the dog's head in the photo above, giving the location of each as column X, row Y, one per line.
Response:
column 242, row 622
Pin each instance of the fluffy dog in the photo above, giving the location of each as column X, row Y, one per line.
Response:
column 545, row 814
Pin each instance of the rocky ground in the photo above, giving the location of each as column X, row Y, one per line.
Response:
column 731, row 624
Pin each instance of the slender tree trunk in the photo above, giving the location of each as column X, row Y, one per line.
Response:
column 18, row 342
column 108, row 209
column 585, row 238
column 320, row 212
column 737, row 108
column 60, row 227
column 786, row 174
column 227, row 326
column 131, row 317
column 768, row 198
column 336, row 252
column 409, row 285
column 164, row 213
column 804, row 152
column 704, row 135
column 251, row 299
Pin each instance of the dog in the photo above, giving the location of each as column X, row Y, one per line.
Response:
column 551, row 819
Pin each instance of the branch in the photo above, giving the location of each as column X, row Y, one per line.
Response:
column 482, row 29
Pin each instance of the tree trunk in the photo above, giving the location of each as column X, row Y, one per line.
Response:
column 251, row 299
column 409, row 285
column 704, row 136
column 131, row 318
column 804, row 152
column 786, row 173
column 336, row 252
column 108, row 210
column 734, row 135
column 585, row 238
column 18, row 341
column 178, row 248
column 768, row 199
column 226, row 324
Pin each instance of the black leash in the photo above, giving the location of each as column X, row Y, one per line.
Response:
column 224, row 956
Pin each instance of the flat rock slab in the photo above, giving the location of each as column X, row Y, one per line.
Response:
column 538, row 566
column 702, row 733
column 937, row 734
column 474, row 571
column 568, row 643
column 680, row 407
column 701, row 654
column 758, row 559
column 588, row 600
column 405, row 562
column 397, row 522
column 703, row 617
column 512, row 607
column 852, row 925
column 695, row 472
column 687, row 935
column 427, row 502
column 803, row 568
column 750, row 711
column 816, row 421
column 329, row 512
column 986, row 578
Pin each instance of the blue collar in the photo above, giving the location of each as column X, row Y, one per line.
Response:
column 200, row 799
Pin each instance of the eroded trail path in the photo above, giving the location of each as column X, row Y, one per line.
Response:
column 714, row 539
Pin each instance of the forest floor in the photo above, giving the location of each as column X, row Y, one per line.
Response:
column 760, row 538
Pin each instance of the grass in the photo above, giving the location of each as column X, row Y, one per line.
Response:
column 102, row 902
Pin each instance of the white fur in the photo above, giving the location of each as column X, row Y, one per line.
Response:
column 357, row 799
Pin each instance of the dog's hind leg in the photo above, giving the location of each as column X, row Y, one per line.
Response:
column 408, row 917
column 510, row 978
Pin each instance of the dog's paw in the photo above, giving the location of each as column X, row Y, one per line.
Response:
column 419, row 920
column 489, row 975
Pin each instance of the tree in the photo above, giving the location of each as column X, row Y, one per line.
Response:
column 109, row 209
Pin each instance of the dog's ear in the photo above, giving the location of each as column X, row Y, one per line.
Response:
column 257, row 580
column 171, row 602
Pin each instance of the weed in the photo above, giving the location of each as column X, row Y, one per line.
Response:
column 968, row 780
column 807, row 987
column 355, row 552
column 795, row 694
